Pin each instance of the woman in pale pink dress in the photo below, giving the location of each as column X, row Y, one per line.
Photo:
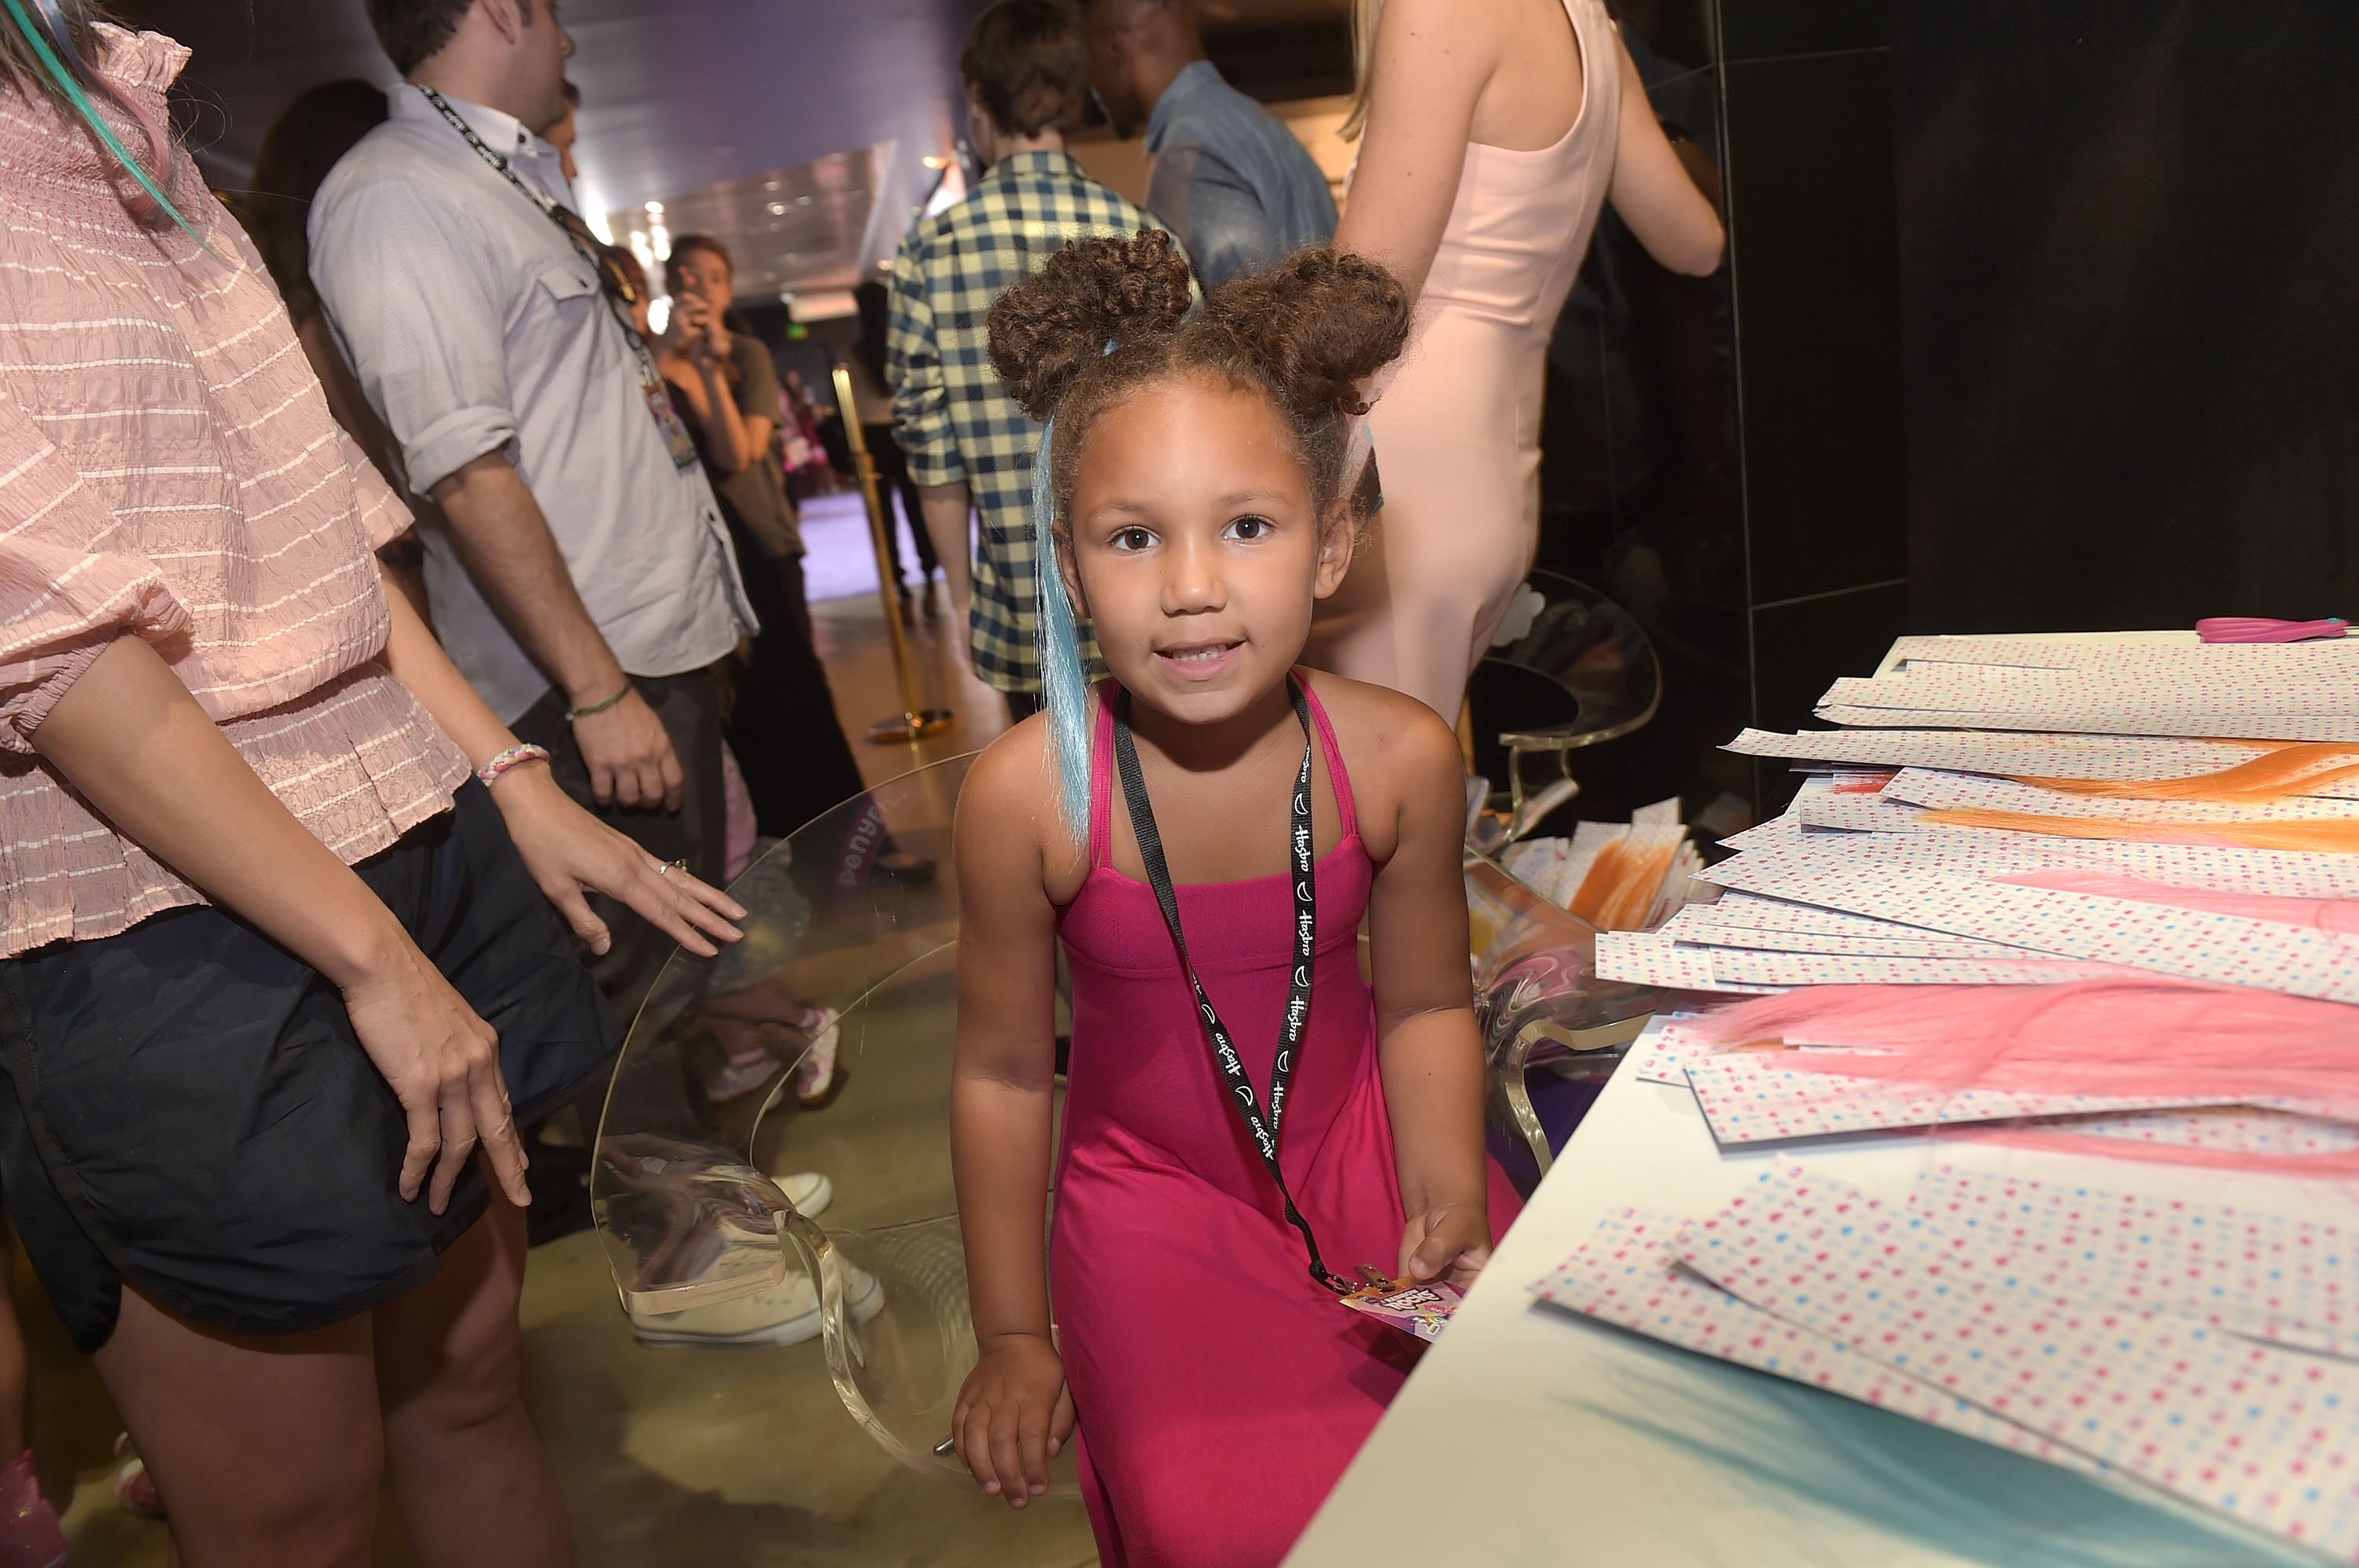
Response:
column 1493, row 136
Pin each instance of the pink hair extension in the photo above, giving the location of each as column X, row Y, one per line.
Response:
column 2338, row 915
column 2329, row 835
column 2141, row 1038
column 2286, row 770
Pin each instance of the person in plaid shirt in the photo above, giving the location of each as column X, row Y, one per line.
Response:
column 968, row 444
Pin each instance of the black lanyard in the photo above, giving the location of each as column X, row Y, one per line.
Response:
column 556, row 212
column 1297, row 1018
column 577, row 234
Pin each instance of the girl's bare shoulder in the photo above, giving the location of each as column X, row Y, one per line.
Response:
column 1395, row 747
column 1010, row 807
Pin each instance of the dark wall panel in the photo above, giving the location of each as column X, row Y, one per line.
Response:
column 1811, row 220
column 2131, row 340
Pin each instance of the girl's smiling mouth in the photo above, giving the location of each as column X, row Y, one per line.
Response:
column 1199, row 661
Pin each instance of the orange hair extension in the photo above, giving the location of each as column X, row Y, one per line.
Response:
column 1621, row 886
column 2324, row 835
column 2298, row 768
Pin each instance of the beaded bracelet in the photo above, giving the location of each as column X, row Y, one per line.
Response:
column 489, row 773
column 583, row 712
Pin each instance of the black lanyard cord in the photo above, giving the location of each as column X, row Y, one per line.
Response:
column 554, row 209
column 585, row 245
column 1262, row 1130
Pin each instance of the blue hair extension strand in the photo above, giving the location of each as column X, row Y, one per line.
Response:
column 1064, row 688
column 70, row 84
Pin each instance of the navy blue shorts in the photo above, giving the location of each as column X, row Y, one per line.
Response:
column 186, row 1107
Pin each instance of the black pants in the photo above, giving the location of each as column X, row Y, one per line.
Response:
column 186, row 1104
column 689, row 707
column 790, row 744
column 1021, row 705
column 893, row 478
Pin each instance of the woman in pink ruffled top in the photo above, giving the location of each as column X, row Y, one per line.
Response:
column 281, row 937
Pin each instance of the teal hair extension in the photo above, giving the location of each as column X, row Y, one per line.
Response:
column 73, row 87
column 1064, row 687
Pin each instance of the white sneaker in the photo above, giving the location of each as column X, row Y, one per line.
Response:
column 809, row 1192
column 785, row 1313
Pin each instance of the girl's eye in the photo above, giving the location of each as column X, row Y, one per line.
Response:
column 1132, row 538
column 1251, row 529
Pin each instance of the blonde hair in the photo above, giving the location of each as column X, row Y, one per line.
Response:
column 1367, row 14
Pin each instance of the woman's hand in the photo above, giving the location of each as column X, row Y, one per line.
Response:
column 1013, row 1416
column 571, row 853
column 443, row 1064
column 699, row 327
column 1451, row 1242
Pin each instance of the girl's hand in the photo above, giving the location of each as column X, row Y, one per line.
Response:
column 571, row 853
column 443, row 1064
column 1451, row 1242
column 1013, row 1416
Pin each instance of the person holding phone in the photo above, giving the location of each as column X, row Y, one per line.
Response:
column 783, row 726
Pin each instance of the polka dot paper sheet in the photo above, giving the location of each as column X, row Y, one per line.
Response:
column 2265, row 1436
column 2045, row 755
column 1878, row 941
column 2192, row 945
column 1748, row 1096
column 2126, row 698
column 2256, row 662
column 2236, row 1130
column 1783, row 844
column 1660, row 1055
column 1923, row 787
column 1862, row 813
column 1626, row 1276
column 1750, row 911
column 1731, row 967
column 1644, row 958
column 2263, row 1276
column 2256, row 726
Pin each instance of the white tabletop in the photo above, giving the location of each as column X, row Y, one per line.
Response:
column 1532, row 1436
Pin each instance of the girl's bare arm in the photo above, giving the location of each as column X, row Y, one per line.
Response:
column 1013, row 1413
column 1430, row 1050
column 1006, row 1064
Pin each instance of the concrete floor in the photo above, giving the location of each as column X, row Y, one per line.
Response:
column 681, row 1458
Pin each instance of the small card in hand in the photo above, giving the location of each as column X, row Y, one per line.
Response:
column 1421, row 1309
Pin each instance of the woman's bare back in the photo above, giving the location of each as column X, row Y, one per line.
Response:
column 1536, row 84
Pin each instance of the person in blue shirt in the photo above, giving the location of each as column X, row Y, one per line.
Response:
column 1230, row 180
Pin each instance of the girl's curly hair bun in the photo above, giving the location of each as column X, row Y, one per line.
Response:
column 1319, row 324
column 1047, row 329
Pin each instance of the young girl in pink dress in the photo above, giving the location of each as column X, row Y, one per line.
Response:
column 1194, row 507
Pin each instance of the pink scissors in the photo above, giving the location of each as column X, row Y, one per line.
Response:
column 2257, row 628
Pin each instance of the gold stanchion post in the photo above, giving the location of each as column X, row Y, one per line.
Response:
column 916, row 721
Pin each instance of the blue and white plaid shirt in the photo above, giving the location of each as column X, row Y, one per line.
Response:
column 953, row 418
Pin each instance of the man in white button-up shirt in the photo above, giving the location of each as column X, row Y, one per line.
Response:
column 584, row 578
